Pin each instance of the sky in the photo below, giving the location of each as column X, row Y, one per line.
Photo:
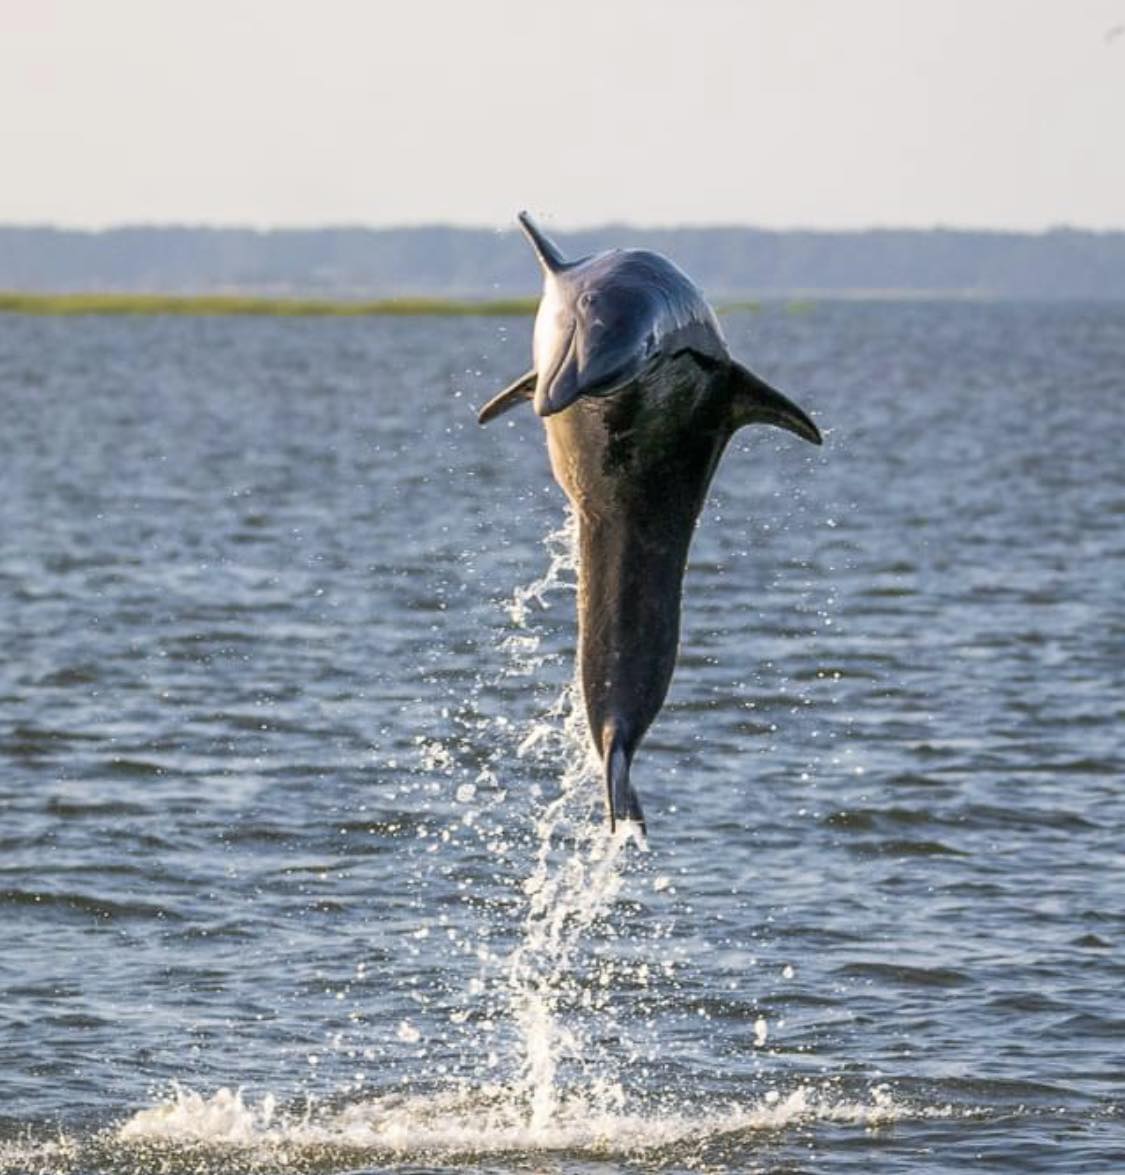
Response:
column 1004, row 114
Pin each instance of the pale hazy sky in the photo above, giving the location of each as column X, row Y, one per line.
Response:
column 821, row 113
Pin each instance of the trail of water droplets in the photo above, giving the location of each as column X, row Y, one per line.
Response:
column 576, row 872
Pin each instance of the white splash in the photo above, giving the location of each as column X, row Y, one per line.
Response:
column 488, row 1120
column 574, row 881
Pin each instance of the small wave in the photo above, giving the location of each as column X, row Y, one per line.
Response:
column 129, row 768
column 903, row 974
column 83, row 674
column 69, row 809
column 85, row 904
column 866, row 819
column 25, row 742
column 905, row 848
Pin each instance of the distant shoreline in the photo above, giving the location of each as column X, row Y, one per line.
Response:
column 253, row 305
column 420, row 265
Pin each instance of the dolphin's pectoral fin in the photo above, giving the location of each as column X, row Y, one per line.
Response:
column 753, row 401
column 622, row 802
column 510, row 397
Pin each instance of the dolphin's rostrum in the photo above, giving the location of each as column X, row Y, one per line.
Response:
column 640, row 396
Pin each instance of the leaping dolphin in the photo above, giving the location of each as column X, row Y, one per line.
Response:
column 640, row 395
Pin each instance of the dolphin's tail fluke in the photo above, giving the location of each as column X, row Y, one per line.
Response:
column 621, row 799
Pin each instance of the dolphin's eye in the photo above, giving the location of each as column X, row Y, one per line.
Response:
column 586, row 300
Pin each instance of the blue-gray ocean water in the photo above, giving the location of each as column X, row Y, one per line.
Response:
column 301, row 867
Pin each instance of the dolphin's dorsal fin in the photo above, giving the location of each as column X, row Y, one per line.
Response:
column 753, row 401
column 545, row 249
column 515, row 393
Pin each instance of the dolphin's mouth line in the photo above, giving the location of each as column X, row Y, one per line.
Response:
column 546, row 402
column 565, row 354
column 621, row 379
column 551, row 398
column 607, row 387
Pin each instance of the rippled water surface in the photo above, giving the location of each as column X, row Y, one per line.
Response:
column 301, row 861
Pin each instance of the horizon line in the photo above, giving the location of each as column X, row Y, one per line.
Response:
column 505, row 229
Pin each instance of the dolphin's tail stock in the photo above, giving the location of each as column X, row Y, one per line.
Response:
column 625, row 814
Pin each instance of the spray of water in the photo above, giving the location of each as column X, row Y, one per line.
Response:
column 576, row 869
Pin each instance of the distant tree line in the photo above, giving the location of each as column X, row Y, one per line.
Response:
column 463, row 262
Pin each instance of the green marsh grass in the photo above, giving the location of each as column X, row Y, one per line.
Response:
column 13, row 302
column 17, row 303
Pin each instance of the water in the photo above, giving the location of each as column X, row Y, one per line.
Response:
column 301, row 853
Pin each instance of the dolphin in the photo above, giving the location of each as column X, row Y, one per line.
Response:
column 639, row 394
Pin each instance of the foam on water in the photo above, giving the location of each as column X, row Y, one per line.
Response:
column 490, row 1120
column 225, row 1132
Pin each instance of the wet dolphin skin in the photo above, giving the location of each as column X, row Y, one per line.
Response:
column 639, row 394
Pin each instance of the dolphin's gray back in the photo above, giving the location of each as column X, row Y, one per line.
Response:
column 603, row 320
column 679, row 314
